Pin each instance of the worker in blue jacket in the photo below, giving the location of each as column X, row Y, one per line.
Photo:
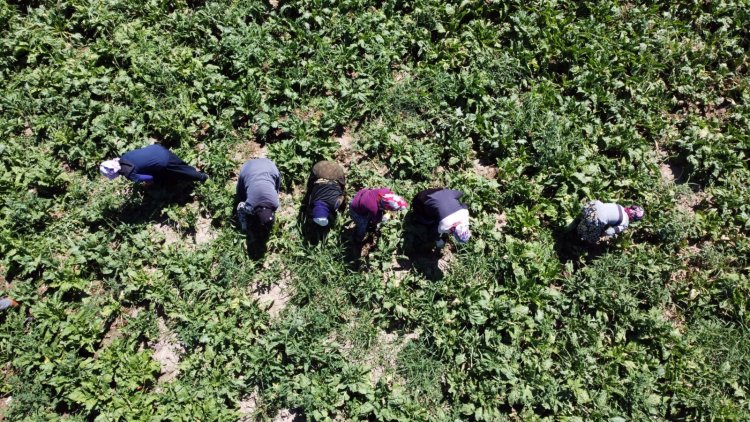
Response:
column 149, row 165
column 442, row 213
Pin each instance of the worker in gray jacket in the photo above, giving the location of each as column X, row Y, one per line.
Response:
column 602, row 221
column 258, row 194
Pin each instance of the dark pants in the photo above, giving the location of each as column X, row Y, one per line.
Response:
column 177, row 169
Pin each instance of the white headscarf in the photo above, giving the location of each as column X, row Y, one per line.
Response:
column 110, row 168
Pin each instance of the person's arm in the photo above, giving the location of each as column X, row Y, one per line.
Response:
column 141, row 178
column 277, row 181
column 615, row 230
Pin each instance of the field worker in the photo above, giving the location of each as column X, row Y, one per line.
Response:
column 6, row 303
column 367, row 208
column 603, row 221
column 258, row 194
column 149, row 165
column 325, row 190
column 441, row 211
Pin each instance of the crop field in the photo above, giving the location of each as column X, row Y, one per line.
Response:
column 142, row 305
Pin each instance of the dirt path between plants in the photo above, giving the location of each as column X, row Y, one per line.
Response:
column 167, row 351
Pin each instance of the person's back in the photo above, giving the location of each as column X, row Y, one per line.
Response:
column 152, row 159
column 259, row 183
column 443, row 202
column 605, row 220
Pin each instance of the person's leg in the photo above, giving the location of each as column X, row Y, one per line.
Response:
column 360, row 225
column 180, row 169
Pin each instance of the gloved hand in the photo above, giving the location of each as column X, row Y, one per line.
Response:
column 440, row 243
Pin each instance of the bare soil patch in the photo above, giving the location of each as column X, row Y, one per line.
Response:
column 383, row 356
column 346, row 155
column 501, row 220
column 247, row 150
column 167, row 351
column 4, row 405
column 204, row 232
column 171, row 236
column 116, row 326
column 486, row 170
column 289, row 415
column 247, row 407
column 274, row 297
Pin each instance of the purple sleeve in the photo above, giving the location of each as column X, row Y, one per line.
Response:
column 140, row 178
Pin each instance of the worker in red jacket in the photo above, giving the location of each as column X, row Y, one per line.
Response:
column 368, row 206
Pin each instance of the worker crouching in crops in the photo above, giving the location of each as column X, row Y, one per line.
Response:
column 368, row 207
column 441, row 213
column 258, row 199
column 151, row 165
column 325, row 194
column 601, row 221
column 6, row 303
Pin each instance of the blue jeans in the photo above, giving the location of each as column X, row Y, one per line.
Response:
column 361, row 222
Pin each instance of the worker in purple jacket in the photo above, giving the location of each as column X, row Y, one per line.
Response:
column 149, row 165
column 367, row 208
column 442, row 212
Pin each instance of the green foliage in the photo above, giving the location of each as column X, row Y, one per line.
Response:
column 529, row 108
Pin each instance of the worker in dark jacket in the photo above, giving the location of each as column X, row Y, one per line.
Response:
column 441, row 211
column 258, row 194
column 325, row 192
column 149, row 165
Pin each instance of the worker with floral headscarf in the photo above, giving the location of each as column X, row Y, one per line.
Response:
column 368, row 206
column 441, row 211
column 603, row 221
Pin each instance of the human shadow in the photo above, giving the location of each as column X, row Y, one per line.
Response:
column 148, row 204
column 352, row 249
column 570, row 248
column 256, row 241
column 418, row 248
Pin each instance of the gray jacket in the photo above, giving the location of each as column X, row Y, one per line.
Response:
column 259, row 184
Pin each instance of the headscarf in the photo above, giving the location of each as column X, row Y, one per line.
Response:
column 462, row 233
column 110, row 168
column 320, row 213
column 393, row 202
column 634, row 212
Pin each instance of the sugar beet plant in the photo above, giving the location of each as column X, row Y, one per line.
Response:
column 135, row 307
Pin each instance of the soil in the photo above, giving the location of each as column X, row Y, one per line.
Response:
column 247, row 150
column 346, row 155
column 383, row 357
column 247, row 407
column 485, row 170
column 277, row 295
column 289, row 415
column 170, row 234
column 4, row 404
column 204, row 232
column 501, row 220
column 115, row 328
column 167, row 352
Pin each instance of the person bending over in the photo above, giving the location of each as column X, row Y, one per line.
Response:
column 150, row 165
column 258, row 194
column 367, row 208
column 441, row 211
column 602, row 221
column 325, row 189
